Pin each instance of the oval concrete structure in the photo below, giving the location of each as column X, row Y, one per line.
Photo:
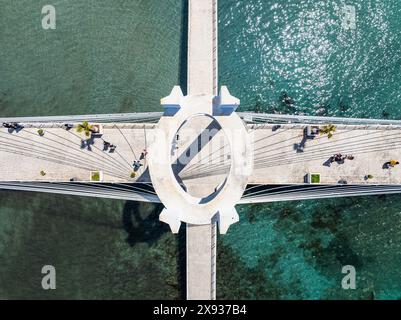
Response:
column 179, row 205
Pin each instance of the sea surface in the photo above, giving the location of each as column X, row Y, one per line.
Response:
column 123, row 56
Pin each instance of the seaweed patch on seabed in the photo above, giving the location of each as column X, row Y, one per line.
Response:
column 238, row 281
column 320, row 236
column 142, row 224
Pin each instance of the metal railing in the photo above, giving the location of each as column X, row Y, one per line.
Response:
column 249, row 117
column 103, row 118
column 109, row 191
column 310, row 192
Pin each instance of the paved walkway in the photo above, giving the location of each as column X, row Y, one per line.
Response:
column 284, row 156
column 63, row 155
column 202, row 48
column 281, row 156
column 202, row 80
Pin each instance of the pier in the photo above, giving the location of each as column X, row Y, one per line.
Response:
column 202, row 80
column 44, row 155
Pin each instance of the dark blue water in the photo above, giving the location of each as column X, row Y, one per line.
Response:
column 103, row 57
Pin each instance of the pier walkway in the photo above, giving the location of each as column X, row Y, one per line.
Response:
column 202, row 80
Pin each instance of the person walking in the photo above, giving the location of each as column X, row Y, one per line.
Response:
column 68, row 126
column 137, row 165
column 106, row 145
column 143, row 154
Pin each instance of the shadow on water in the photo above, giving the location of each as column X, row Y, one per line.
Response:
column 183, row 80
column 182, row 261
column 183, row 73
column 142, row 224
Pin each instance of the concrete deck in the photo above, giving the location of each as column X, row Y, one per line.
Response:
column 201, row 259
column 202, row 80
column 65, row 155
column 281, row 156
column 202, row 48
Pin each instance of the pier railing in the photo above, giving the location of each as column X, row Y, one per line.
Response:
column 103, row 118
column 249, row 117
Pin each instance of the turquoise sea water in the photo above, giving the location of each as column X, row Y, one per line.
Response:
column 122, row 56
column 300, row 49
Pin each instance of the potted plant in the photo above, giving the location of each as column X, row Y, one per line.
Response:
column 96, row 176
column 41, row 132
column 90, row 129
column 314, row 178
column 42, row 173
column 133, row 174
column 328, row 129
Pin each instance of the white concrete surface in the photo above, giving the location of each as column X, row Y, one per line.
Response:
column 61, row 155
column 279, row 158
column 24, row 154
column 202, row 79
column 180, row 205
column 201, row 259
column 202, row 48
column 278, row 162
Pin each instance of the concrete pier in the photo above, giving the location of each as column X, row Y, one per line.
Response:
column 202, row 47
column 201, row 262
column 202, row 80
column 281, row 155
column 66, row 154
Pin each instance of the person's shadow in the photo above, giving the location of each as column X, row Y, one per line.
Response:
column 328, row 162
column 87, row 144
column 16, row 130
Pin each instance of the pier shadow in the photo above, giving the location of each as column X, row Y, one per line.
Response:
column 141, row 222
column 144, row 177
column 197, row 144
column 182, row 261
column 183, row 56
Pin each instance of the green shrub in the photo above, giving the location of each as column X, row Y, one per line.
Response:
column 328, row 129
column 315, row 178
column 95, row 176
column 85, row 127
